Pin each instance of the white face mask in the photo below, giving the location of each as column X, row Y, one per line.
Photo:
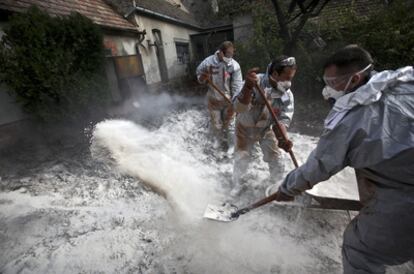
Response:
column 284, row 85
column 329, row 92
column 227, row 60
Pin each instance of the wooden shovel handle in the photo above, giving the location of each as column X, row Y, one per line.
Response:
column 219, row 91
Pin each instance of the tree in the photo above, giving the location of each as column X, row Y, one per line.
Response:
column 292, row 18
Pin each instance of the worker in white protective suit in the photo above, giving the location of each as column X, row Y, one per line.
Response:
column 254, row 121
column 226, row 74
column 370, row 128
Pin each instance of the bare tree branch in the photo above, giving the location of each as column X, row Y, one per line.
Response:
column 309, row 9
column 290, row 35
column 320, row 9
column 284, row 30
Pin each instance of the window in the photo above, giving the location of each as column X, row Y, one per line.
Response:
column 183, row 53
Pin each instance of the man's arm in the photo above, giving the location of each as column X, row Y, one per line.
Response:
column 236, row 79
column 286, row 113
column 327, row 159
column 202, row 70
column 242, row 99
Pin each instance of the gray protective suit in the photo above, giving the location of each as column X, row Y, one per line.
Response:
column 372, row 130
column 228, row 78
column 253, row 124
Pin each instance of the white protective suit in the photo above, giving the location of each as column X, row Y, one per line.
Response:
column 253, row 124
column 228, row 78
column 371, row 130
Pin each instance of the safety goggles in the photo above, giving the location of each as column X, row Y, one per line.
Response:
column 336, row 80
column 290, row 61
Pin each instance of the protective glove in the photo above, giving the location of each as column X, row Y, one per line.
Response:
column 251, row 78
column 282, row 197
column 230, row 111
column 286, row 145
column 276, row 111
column 203, row 77
column 249, row 83
column 282, row 140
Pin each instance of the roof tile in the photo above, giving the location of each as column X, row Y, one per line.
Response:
column 96, row 10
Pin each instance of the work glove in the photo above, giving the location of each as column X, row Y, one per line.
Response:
column 286, row 145
column 282, row 141
column 282, row 197
column 251, row 78
column 249, row 83
column 230, row 111
column 203, row 77
column 276, row 111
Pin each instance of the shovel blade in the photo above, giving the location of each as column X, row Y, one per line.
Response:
column 221, row 213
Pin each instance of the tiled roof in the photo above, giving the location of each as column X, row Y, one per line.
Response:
column 199, row 15
column 96, row 10
column 166, row 8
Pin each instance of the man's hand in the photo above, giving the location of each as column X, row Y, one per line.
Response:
column 251, row 78
column 204, row 76
column 282, row 197
column 281, row 135
column 249, row 83
column 286, row 145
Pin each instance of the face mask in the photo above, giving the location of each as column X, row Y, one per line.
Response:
column 227, row 60
column 329, row 92
column 284, row 85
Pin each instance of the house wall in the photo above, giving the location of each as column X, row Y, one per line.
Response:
column 170, row 35
column 9, row 111
column 122, row 87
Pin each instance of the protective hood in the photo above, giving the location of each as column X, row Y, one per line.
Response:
column 373, row 90
column 265, row 80
column 378, row 85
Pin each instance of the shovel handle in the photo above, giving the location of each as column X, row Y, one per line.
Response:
column 256, row 205
column 278, row 129
column 218, row 90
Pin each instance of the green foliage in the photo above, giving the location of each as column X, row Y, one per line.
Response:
column 54, row 65
column 388, row 34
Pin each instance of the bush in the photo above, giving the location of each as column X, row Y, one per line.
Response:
column 387, row 34
column 54, row 65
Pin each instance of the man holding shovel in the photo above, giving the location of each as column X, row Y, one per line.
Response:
column 254, row 122
column 370, row 128
column 224, row 78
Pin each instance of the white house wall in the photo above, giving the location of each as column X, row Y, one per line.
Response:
column 170, row 34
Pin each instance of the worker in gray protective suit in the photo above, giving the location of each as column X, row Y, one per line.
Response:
column 370, row 128
column 254, row 121
column 226, row 74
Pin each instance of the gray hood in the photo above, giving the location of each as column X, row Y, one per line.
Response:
column 380, row 84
